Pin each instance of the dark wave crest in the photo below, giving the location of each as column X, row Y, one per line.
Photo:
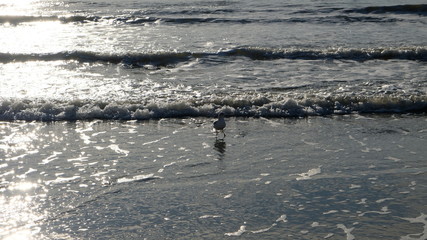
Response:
column 190, row 20
column 223, row 20
column 226, row 15
column 412, row 53
column 131, row 60
column 170, row 59
column 419, row 9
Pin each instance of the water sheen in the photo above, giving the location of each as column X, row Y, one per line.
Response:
column 148, row 60
column 106, row 111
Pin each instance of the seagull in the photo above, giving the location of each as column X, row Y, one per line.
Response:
column 219, row 125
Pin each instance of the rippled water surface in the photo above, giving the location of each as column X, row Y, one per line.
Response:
column 78, row 60
column 359, row 177
column 106, row 110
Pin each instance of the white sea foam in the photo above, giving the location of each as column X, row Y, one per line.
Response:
column 282, row 218
column 328, row 235
column 228, row 196
column 169, row 164
column 330, row 212
column 118, row 150
column 362, row 201
column 264, row 229
column 384, row 210
column 210, row 216
column 78, row 159
column 309, row 174
column 248, row 104
column 238, row 233
column 347, row 231
column 138, row 178
column 417, row 236
column 317, row 224
column 60, row 180
column 383, row 200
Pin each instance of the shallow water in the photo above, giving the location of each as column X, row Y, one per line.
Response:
column 133, row 60
column 107, row 108
column 344, row 177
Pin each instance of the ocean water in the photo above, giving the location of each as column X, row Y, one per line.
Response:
column 106, row 109
column 342, row 177
column 79, row 60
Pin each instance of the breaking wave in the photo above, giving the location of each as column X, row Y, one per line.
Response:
column 364, row 54
column 420, row 9
column 142, row 20
column 247, row 106
column 133, row 60
column 177, row 15
column 15, row 20
column 166, row 59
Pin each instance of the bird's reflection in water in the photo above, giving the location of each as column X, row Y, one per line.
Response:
column 220, row 146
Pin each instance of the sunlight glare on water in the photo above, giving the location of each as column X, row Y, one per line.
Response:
column 107, row 107
column 19, row 7
column 41, row 37
column 20, row 196
column 17, row 141
column 55, row 82
column 19, row 211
